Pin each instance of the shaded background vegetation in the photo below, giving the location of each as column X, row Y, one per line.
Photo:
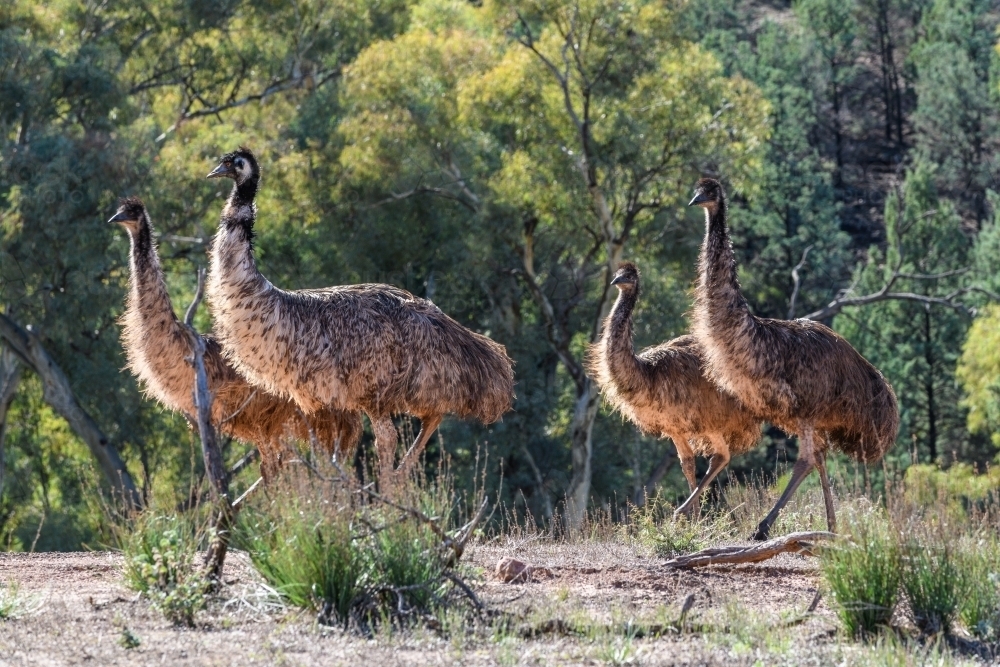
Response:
column 449, row 148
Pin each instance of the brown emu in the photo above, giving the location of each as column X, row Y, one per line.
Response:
column 370, row 347
column 799, row 375
column 157, row 348
column 663, row 390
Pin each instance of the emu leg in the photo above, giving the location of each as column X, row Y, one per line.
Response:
column 692, row 506
column 427, row 427
column 803, row 466
column 386, row 439
column 824, row 480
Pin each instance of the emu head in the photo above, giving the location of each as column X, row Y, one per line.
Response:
column 626, row 277
column 707, row 194
column 131, row 214
column 240, row 165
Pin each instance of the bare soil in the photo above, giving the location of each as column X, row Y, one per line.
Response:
column 78, row 610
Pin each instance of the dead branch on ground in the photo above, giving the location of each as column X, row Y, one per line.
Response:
column 800, row 543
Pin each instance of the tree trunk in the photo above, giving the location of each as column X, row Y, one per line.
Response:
column 10, row 377
column 581, row 434
column 58, row 394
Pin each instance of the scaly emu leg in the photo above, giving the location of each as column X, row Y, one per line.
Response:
column 427, row 427
column 824, row 480
column 720, row 459
column 386, row 439
column 803, row 466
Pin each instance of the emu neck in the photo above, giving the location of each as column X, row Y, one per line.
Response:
column 623, row 365
column 148, row 288
column 718, row 285
column 233, row 268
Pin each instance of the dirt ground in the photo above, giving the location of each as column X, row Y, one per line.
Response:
column 76, row 610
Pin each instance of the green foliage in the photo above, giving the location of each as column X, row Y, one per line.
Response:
column 979, row 373
column 13, row 603
column 325, row 548
column 979, row 606
column 656, row 528
column 161, row 553
column 863, row 572
column 927, row 485
column 933, row 577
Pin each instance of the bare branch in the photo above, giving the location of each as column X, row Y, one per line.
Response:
column 796, row 282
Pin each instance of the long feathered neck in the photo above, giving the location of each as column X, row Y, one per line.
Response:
column 718, row 290
column 240, row 212
column 148, row 289
column 623, row 366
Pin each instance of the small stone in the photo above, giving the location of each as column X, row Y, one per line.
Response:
column 512, row 570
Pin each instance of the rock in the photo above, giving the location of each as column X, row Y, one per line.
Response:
column 513, row 571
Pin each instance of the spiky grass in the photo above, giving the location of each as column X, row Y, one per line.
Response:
column 979, row 606
column 863, row 573
column 327, row 548
column 933, row 578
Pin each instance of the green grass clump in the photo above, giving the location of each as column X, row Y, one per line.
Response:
column 933, row 579
column 655, row 527
column 160, row 553
column 11, row 603
column 349, row 557
column 979, row 607
column 863, row 573
column 308, row 552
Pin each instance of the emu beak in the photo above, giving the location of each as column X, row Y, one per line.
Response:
column 224, row 169
column 119, row 217
column 617, row 280
column 699, row 199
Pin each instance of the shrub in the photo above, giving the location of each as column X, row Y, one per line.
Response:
column 306, row 549
column 347, row 556
column 160, row 553
column 10, row 602
column 863, row 573
column 933, row 581
column 655, row 527
column 979, row 606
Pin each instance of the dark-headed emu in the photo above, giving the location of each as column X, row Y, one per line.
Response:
column 372, row 347
column 663, row 390
column 799, row 375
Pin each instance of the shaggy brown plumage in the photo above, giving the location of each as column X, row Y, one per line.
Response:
column 799, row 375
column 157, row 346
column 664, row 391
column 374, row 348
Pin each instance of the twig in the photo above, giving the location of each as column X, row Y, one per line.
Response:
column 796, row 282
column 253, row 487
column 455, row 579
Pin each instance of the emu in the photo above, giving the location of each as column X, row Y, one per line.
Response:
column 369, row 347
column 663, row 390
column 799, row 375
column 156, row 347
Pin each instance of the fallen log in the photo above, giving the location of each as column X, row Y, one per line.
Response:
column 800, row 543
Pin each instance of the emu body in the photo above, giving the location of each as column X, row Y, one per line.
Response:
column 157, row 349
column 372, row 347
column 663, row 391
column 799, row 375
